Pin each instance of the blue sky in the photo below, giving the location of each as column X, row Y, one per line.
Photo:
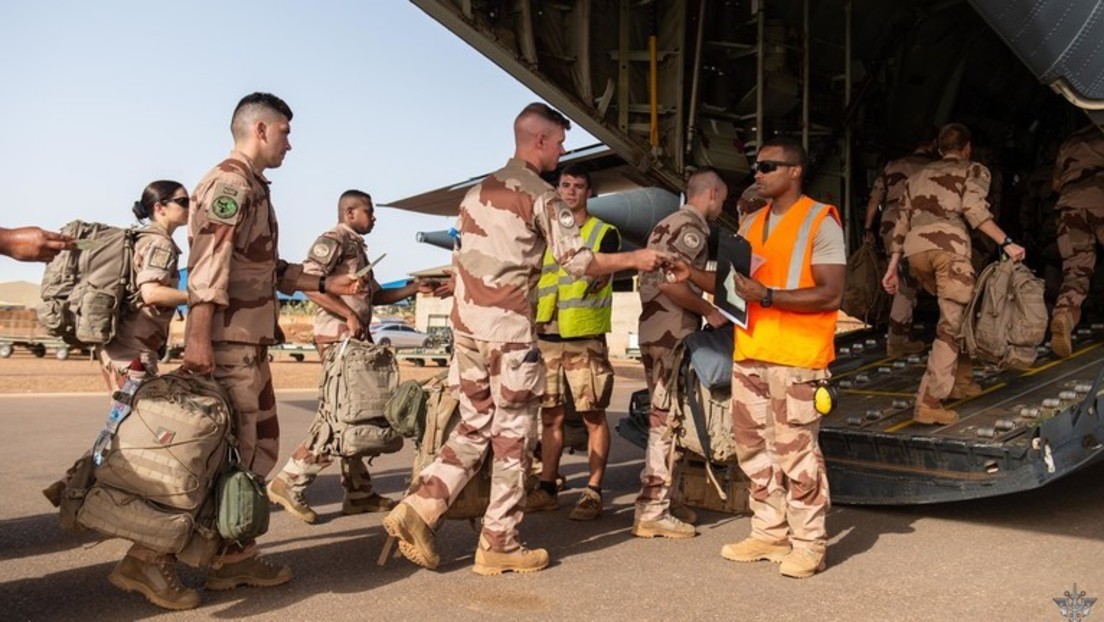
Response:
column 101, row 98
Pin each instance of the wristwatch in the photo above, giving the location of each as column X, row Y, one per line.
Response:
column 321, row 285
column 1006, row 242
column 768, row 298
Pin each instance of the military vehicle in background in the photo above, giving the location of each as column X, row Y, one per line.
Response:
column 670, row 86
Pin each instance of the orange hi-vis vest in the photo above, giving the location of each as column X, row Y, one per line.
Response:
column 773, row 335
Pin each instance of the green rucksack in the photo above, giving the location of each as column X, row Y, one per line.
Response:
column 406, row 410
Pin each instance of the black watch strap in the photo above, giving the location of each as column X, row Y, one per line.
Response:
column 768, row 298
column 1006, row 242
column 322, row 285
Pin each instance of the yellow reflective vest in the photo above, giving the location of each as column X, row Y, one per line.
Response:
column 579, row 313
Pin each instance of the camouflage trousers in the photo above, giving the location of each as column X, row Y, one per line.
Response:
column 499, row 386
column 654, row 500
column 904, row 301
column 580, row 366
column 310, row 458
column 776, row 426
column 1079, row 230
column 950, row 277
column 242, row 369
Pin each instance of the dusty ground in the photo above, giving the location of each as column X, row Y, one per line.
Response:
column 23, row 373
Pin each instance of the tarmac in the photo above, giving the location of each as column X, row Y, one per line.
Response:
column 1004, row 558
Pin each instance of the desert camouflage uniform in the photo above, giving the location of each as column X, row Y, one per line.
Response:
column 1080, row 180
column 338, row 251
column 233, row 264
column 663, row 324
column 505, row 224
column 942, row 202
column 887, row 190
column 144, row 331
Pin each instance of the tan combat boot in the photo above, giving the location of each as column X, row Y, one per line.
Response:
column 934, row 415
column 589, row 506
column 897, row 345
column 666, row 527
column 963, row 391
column 371, row 504
column 521, row 560
column 538, row 500
column 281, row 494
column 755, row 550
column 255, row 571
column 681, row 511
column 416, row 539
column 802, row 563
column 1061, row 334
column 157, row 580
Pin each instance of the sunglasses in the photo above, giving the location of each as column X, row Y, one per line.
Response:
column 181, row 201
column 769, row 166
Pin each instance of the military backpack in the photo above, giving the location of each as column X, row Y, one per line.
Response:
column 1007, row 316
column 863, row 295
column 358, row 380
column 87, row 290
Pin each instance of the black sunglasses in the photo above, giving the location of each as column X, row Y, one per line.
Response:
column 769, row 166
column 181, row 201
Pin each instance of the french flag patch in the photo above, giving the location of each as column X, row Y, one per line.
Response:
column 163, row 436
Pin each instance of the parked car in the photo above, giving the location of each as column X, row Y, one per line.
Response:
column 398, row 336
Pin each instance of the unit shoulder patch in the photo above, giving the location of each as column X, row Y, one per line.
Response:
column 324, row 249
column 226, row 202
column 160, row 258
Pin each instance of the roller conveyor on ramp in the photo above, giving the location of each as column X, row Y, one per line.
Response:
column 1028, row 428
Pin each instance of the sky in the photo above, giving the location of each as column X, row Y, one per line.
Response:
column 100, row 98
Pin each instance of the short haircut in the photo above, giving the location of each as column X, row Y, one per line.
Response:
column 546, row 112
column 790, row 147
column 355, row 194
column 953, row 137
column 252, row 107
column 575, row 169
column 703, row 180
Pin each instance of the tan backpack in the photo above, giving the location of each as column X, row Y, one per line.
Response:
column 442, row 417
column 358, row 380
column 155, row 473
column 1007, row 317
column 86, row 291
column 863, row 295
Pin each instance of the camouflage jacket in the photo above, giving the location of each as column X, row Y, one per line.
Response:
column 341, row 251
column 889, row 186
column 146, row 327
column 232, row 233
column 505, row 224
column 1079, row 171
column 942, row 201
column 662, row 322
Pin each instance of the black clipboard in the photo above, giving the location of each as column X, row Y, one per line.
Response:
column 733, row 254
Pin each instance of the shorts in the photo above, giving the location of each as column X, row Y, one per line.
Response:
column 580, row 366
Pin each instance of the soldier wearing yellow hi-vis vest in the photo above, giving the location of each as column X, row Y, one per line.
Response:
column 573, row 317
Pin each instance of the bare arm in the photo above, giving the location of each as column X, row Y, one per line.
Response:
column 825, row 295
column 993, row 230
column 32, row 243
column 161, row 295
column 644, row 260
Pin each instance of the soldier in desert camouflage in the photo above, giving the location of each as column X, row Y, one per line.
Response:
column 1079, row 180
column 234, row 271
column 506, row 222
column 886, row 193
column 941, row 203
column 134, row 353
column 340, row 250
column 573, row 317
column 670, row 312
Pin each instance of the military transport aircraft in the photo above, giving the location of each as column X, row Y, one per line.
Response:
column 671, row 85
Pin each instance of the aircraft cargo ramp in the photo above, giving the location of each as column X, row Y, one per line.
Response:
column 1027, row 429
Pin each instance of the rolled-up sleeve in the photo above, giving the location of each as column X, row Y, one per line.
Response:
column 557, row 222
